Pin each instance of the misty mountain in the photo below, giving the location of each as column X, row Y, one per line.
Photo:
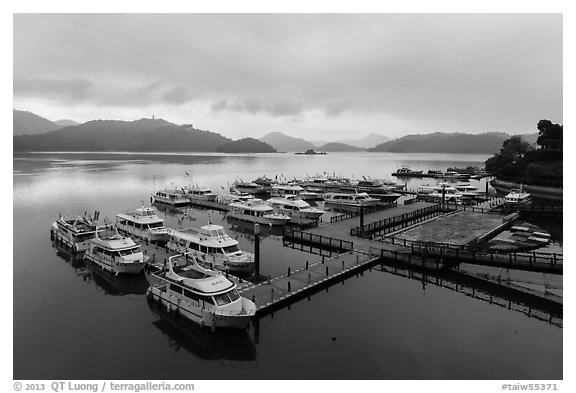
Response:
column 144, row 135
column 439, row 142
column 66, row 122
column 27, row 123
column 282, row 142
column 336, row 147
column 246, row 145
column 368, row 141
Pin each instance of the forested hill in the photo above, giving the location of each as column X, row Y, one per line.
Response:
column 28, row 123
column 144, row 135
column 440, row 142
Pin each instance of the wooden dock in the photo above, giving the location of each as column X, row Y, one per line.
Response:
column 339, row 236
column 278, row 291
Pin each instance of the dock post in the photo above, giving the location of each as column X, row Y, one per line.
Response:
column 256, row 251
column 322, row 259
column 486, row 189
column 342, row 264
column 361, row 218
column 289, row 287
column 326, row 271
column 306, row 265
column 288, row 271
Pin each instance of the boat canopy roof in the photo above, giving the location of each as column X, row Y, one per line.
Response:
column 201, row 280
column 208, row 235
column 115, row 242
column 253, row 204
column 144, row 215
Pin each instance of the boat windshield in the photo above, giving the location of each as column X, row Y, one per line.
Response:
column 226, row 298
column 231, row 249
column 128, row 251
column 155, row 225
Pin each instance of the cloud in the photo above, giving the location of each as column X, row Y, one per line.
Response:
column 65, row 90
column 177, row 96
column 254, row 106
column 428, row 71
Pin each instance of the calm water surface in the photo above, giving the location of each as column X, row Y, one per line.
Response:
column 72, row 322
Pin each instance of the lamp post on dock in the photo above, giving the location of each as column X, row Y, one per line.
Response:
column 256, row 251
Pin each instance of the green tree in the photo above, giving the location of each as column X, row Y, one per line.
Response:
column 549, row 135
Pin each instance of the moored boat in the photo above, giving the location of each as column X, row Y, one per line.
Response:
column 257, row 211
column 75, row 232
column 196, row 192
column 116, row 254
column 349, row 202
column 212, row 246
column 171, row 196
column 143, row 223
column 405, row 171
column 202, row 296
column 294, row 207
column 517, row 197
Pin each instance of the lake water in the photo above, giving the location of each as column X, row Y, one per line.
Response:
column 72, row 322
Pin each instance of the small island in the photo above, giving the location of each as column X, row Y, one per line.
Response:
column 311, row 152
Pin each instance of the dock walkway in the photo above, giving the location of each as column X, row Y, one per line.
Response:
column 285, row 288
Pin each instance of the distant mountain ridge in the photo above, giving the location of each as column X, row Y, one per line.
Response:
column 439, row 142
column 28, row 123
column 338, row 147
column 144, row 135
column 368, row 141
column 283, row 142
column 66, row 122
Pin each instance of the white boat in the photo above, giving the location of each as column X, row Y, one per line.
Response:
column 468, row 191
column 196, row 192
column 202, row 296
column 250, row 188
column 349, row 202
column 255, row 210
column 294, row 207
column 74, row 232
column 143, row 223
column 233, row 195
column 451, row 175
column 116, row 254
column 171, row 196
column 426, row 189
column 374, row 189
column 517, row 197
column 212, row 246
column 446, row 193
column 282, row 190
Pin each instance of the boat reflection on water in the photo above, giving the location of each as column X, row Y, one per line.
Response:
column 106, row 281
column 231, row 347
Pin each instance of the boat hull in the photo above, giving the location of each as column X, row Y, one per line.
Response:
column 180, row 202
column 259, row 220
column 68, row 240
column 117, row 267
column 197, row 313
column 151, row 236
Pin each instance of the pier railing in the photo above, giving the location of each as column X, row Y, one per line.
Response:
column 446, row 253
column 367, row 210
column 318, row 241
column 401, row 221
column 481, row 291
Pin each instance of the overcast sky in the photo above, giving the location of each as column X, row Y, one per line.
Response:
column 317, row 76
